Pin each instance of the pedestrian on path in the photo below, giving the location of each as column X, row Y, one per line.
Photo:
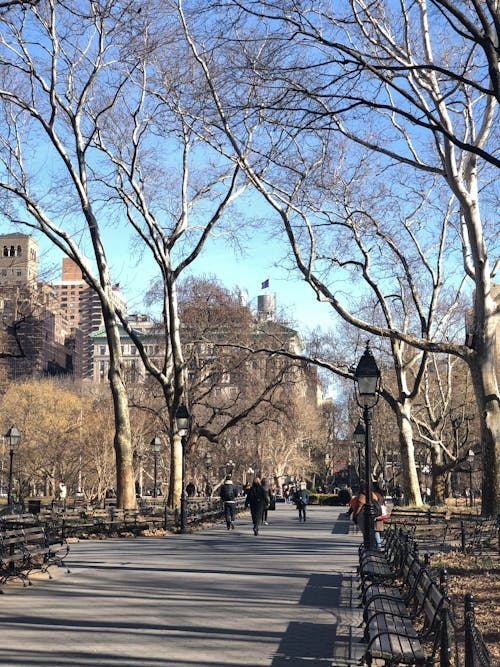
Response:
column 380, row 509
column 269, row 496
column 228, row 493
column 301, row 498
column 258, row 502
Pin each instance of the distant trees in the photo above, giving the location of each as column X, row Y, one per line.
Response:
column 65, row 435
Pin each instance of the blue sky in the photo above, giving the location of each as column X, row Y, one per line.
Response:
column 262, row 258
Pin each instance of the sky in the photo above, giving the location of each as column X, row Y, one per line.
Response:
column 262, row 259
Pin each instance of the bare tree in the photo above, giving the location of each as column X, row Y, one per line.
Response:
column 412, row 95
column 48, row 93
column 94, row 87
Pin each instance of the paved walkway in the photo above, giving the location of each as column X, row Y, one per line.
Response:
column 285, row 598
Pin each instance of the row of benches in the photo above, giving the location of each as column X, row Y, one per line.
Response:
column 88, row 522
column 470, row 533
column 407, row 614
column 24, row 549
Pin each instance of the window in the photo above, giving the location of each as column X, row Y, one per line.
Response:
column 12, row 251
column 133, row 349
column 5, row 251
column 19, row 251
column 102, row 350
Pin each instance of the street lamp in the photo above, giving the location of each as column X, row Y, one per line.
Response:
column 367, row 382
column 12, row 438
column 230, row 467
column 359, row 439
column 470, row 459
column 155, row 448
column 183, row 423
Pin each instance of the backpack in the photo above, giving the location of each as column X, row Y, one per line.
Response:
column 227, row 492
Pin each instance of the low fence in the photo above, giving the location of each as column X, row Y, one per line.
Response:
column 469, row 533
column 88, row 521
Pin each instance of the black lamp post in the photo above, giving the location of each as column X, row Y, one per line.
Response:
column 367, row 380
column 208, row 466
column 12, row 438
column 183, row 422
column 155, row 448
column 470, row 459
column 229, row 467
column 359, row 439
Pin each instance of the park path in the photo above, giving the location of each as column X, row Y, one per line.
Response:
column 285, row 598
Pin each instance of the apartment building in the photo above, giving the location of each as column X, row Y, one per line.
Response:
column 82, row 309
column 36, row 338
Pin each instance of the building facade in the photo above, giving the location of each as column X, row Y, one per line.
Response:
column 82, row 308
column 36, row 338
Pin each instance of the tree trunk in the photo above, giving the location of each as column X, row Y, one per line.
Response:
column 175, row 486
column 440, row 474
column 486, row 390
column 411, row 486
column 125, row 479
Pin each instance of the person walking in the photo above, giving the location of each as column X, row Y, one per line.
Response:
column 269, row 496
column 380, row 508
column 301, row 498
column 258, row 502
column 286, row 493
column 63, row 494
column 228, row 493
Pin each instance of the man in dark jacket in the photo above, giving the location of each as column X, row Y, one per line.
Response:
column 258, row 500
column 228, row 493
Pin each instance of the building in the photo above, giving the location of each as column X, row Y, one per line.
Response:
column 151, row 337
column 18, row 260
column 36, row 339
column 82, row 309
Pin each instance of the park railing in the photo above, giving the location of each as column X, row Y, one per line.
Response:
column 469, row 533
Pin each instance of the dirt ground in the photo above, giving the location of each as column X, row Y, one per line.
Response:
column 479, row 575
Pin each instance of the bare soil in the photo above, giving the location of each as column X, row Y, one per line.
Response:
column 479, row 575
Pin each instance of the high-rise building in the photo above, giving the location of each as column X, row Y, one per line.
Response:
column 82, row 307
column 35, row 335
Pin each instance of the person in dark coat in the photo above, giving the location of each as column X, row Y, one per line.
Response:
column 267, row 491
column 228, row 493
column 301, row 498
column 258, row 501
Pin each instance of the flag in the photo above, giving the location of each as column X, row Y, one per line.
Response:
column 265, row 284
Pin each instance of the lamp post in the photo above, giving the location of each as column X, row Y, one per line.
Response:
column 229, row 467
column 470, row 459
column 359, row 439
column 183, row 422
column 12, row 438
column 367, row 382
column 155, row 448
column 208, row 466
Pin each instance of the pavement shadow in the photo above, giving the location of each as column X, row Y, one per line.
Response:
column 306, row 644
column 324, row 644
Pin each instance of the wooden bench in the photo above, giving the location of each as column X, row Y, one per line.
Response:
column 385, row 565
column 391, row 615
column 28, row 548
